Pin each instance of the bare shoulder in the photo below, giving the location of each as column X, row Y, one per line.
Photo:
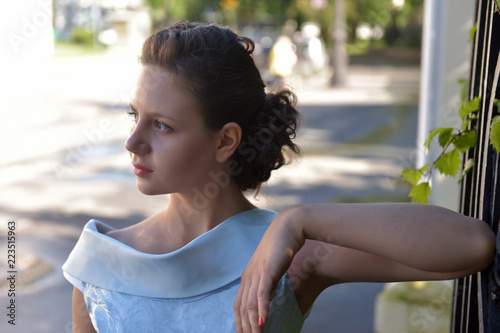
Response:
column 147, row 237
column 127, row 236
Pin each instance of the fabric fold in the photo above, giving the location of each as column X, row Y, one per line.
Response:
column 211, row 261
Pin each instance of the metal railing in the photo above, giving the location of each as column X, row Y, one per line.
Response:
column 476, row 305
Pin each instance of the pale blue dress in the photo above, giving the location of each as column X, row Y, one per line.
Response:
column 189, row 290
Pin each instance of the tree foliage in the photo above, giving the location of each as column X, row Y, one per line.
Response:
column 373, row 12
column 453, row 143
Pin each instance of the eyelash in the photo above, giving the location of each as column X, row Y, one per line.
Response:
column 161, row 126
column 133, row 115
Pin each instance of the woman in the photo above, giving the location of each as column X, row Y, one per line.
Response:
column 204, row 131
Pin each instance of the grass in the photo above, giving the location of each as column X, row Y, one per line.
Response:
column 71, row 49
column 363, row 46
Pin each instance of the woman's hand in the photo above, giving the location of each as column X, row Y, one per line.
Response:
column 365, row 242
column 271, row 259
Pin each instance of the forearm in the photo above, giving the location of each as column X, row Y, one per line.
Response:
column 425, row 237
column 81, row 318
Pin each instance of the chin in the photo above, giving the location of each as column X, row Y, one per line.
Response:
column 147, row 190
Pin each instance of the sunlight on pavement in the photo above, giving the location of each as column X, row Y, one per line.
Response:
column 344, row 172
column 384, row 85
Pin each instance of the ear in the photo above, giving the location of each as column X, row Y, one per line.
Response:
column 229, row 138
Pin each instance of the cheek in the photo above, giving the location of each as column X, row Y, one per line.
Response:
column 186, row 156
column 200, row 154
column 198, row 157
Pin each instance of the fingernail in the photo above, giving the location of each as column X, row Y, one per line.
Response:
column 261, row 321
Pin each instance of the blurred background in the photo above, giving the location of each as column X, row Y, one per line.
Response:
column 67, row 71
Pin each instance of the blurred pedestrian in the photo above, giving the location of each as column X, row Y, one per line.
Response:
column 282, row 60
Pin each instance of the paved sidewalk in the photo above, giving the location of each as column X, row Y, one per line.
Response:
column 63, row 162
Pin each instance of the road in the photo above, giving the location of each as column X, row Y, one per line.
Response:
column 63, row 162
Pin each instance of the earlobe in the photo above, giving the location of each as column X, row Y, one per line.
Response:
column 229, row 139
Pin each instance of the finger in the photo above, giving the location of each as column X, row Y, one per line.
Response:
column 239, row 308
column 236, row 311
column 252, row 308
column 242, row 310
column 264, row 297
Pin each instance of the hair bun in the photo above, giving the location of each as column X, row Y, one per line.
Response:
column 267, row 139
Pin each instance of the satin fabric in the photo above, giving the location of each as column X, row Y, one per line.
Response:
column 188, row 290
column 210, row 261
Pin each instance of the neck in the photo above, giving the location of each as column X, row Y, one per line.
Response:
column 195, row 213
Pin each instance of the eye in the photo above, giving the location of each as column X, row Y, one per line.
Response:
column 134, row 115
column 162, row 126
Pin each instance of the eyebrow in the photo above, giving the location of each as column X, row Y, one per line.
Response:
column 153, row 114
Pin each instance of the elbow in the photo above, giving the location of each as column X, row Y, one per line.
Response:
column 483, row 248
column 489, row 247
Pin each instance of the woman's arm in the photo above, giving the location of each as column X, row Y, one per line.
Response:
column 359, row 242
column 81, row 318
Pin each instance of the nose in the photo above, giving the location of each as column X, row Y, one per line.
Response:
column 137, row 142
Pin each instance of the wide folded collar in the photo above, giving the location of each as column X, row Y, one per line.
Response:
column 211, row 261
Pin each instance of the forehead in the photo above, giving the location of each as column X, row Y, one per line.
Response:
column 158, row 89
column 152, row 78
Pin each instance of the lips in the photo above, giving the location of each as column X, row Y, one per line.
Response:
column 140, row 170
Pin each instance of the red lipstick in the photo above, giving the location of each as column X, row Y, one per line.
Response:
column 140, row 170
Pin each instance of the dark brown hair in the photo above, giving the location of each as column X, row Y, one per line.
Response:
column 216, row 66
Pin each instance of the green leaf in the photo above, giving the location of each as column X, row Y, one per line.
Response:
column 472, row 32
column 449, row 163
column 466, row 141
column 466, row 122
column 411, row 175
column 495, row 133
column 469, row 107
column 468, row 166
column 420, row 192
column 464, row 89
column 424, row 168
column 445, row 136
column 432, row 134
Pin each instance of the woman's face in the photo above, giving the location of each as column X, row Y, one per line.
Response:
column 171, row 148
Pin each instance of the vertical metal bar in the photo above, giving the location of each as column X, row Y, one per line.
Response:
column 485, row 121
column 476, row 307
column 472, row 81
column 457, row 305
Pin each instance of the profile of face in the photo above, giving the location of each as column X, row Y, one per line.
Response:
column 199, row 106
column 171, row 148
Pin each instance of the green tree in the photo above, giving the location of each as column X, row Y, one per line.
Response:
column 168, row 11
column 373, row 12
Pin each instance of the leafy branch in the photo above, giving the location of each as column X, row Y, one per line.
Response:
column 454, row 142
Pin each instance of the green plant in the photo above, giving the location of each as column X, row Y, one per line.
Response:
column 453, row 142
column 83, row 36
